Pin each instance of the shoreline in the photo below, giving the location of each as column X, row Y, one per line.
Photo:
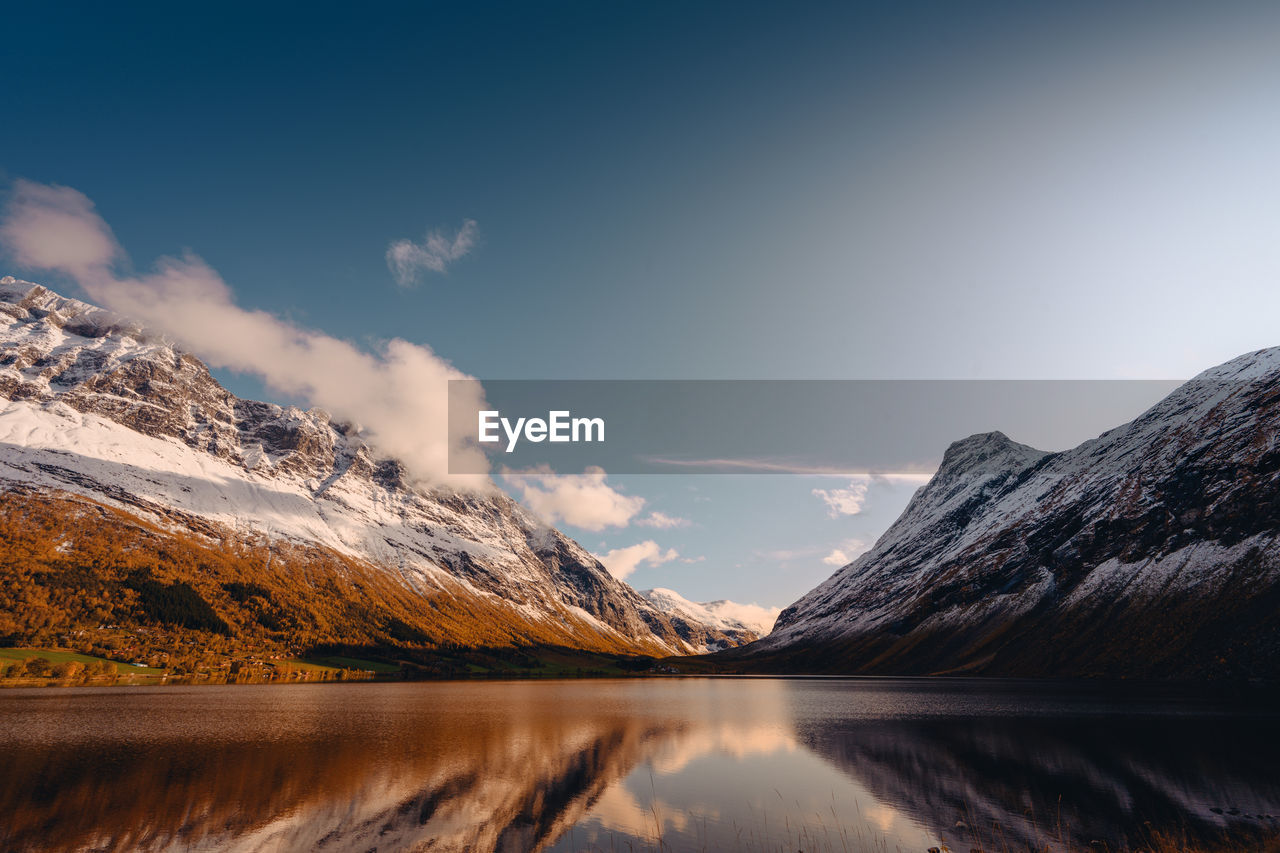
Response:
column 1265, row 696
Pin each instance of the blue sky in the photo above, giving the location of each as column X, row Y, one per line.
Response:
column 665, row 190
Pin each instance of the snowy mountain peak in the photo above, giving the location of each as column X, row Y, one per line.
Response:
column 1250, row 367
column 25, row 300
column 712, row 625
column 91, row 406
column 988, row 451
column 1148, row 551
column 722, row 613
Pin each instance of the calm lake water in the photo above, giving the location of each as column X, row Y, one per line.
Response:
column 652, row 764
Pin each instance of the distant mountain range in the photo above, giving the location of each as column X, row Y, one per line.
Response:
column 136, row 490
column 712, row 625
column 1150, row 551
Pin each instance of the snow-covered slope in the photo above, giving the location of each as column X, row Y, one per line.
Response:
column 1153, row 549
column 712, row 625
column 93, row 405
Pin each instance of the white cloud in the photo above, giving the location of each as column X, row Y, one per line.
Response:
column 621, row 562
column 844, row 501
column 398, row 394
column 662, row 521
column 754, row 616
column 53, row 227
column 848, row 551
column 406, row 259
column 584, row 500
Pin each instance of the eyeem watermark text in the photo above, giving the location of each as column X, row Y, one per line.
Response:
column 559, row 426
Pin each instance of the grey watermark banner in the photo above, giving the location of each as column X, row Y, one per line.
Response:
column 769, row 426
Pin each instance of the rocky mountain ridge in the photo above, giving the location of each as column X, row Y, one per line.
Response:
column 1150, row 551
column 96, row 406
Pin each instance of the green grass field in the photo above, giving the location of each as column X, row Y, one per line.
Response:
column 55, row 656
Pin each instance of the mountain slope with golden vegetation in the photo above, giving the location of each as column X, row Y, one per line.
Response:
column 137, row 491
column 74, row 569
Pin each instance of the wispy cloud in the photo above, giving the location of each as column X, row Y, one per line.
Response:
column 398, row 394
column 782, row 466
column 584, row 500
column 621, row 562
column 662, row 521
column 844, row 501
column 407, row 259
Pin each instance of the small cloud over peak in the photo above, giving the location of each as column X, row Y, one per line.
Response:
column 407, row 259
column 47, row 226
column 583, row 500
column 621, row 562
column 844, row 501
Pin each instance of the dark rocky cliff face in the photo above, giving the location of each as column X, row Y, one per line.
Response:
column 1153, row 550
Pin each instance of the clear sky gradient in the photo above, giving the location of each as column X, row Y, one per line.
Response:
column 693, row 190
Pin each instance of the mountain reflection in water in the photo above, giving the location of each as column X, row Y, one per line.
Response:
column 681, row 764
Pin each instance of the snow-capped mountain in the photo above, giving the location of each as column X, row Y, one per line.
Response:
column 1152, row 550
column 94, row 407
column 712, row 625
